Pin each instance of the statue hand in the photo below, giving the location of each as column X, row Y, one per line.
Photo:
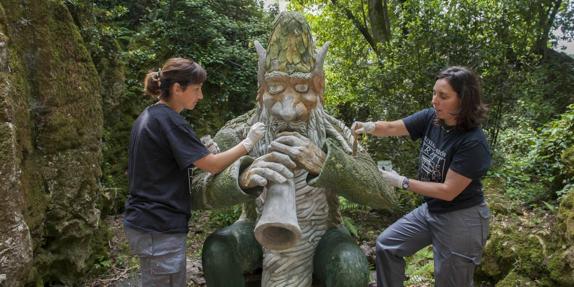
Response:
column 272, row 167
column 299, row 148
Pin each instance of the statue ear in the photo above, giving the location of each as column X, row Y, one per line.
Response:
column 318, row 72
column 262, row 54
column 320, row 58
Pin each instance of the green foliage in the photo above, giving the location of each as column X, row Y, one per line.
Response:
column 527, row 86
column 345, row 204
column 537, row 161
column 128, row 38
column 218, row 35
column 420, row 268
column 225, row 217
column 351, row 226
column 394, row 78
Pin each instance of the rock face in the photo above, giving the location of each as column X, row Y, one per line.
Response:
column 529, row 247
column 50, row 155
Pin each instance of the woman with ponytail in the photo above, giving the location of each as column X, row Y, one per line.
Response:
column 163, row 148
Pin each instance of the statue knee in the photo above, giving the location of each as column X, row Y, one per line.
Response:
column 220, row 262
column 340, row 262
column 218, row 251
column 350, row 267
column 228, row 253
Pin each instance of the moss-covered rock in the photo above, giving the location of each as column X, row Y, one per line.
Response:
column 514, row 279
column 567, row 158
column 561, row 264
column 530, row 247
column 497, row 202
column 566, row 214
column 513, row 248
column 51, row 129
column 15, row 241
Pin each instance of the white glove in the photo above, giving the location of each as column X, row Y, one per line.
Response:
column 254, row 135
column 211, row 145
column 393, row 178
column 363, row 127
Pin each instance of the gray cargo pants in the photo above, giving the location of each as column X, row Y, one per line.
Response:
column 162, row 257
column 457, row 238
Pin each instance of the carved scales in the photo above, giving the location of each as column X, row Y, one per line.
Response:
column 294, row 266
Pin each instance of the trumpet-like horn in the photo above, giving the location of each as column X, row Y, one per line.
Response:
column 278, row 228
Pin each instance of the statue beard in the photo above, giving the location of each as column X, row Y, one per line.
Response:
column 278, row 126
column 313, row 129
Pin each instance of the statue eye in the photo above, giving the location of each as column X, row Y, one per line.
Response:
column 275, row 88
column 301, row 88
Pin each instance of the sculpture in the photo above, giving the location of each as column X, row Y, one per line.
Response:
column 300, row 167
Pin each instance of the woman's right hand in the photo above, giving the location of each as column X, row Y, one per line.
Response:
column 363, row 127
column 255, row 133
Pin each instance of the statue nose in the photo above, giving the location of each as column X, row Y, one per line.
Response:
column 288, row 111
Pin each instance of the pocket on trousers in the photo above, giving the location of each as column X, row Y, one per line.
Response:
column 484, row 218
column 140, row 242
column 460, row 259
column 170, row 263
column 457, row 270
column 464, row 269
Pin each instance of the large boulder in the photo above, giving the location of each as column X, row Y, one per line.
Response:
column 50, row 155
column 529, row 247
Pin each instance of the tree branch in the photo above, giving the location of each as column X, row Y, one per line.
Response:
column 362, row 29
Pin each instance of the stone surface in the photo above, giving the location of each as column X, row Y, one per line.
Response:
column 50, row 127
column 291, row 86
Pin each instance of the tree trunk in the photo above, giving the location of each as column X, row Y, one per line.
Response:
column 379, row 19
column 545, row 23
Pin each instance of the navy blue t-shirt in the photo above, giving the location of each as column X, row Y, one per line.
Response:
column 163, row 147
column 444, row 148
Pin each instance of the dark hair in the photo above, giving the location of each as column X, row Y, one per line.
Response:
column 466, row 84
column 175, row 70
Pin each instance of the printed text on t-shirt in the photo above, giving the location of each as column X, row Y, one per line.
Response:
column 432, row 162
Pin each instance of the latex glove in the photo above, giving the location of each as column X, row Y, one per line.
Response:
column 253, row 136
column 363, row 127
column 211, row 145
column 393, row 178
column 301, row 150
column 272, row 167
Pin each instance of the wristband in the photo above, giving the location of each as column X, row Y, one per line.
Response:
column 405, row 183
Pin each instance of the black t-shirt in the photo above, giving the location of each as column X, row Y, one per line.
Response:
column 163, row 147
column 444, row 148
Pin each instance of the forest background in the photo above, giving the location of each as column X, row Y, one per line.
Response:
column 380, row 65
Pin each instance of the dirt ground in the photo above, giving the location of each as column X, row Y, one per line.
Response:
column 365, row 224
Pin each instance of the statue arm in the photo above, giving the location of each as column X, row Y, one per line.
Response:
column 355, row 178
column 221, row 190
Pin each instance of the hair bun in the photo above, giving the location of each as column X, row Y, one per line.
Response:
column 152, row 83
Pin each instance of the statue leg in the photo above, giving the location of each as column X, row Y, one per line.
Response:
column 230, row 252
column 339, row 261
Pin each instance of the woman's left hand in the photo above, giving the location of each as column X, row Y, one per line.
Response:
column 392, row 178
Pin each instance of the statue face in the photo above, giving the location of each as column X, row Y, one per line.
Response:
column 289, row 100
